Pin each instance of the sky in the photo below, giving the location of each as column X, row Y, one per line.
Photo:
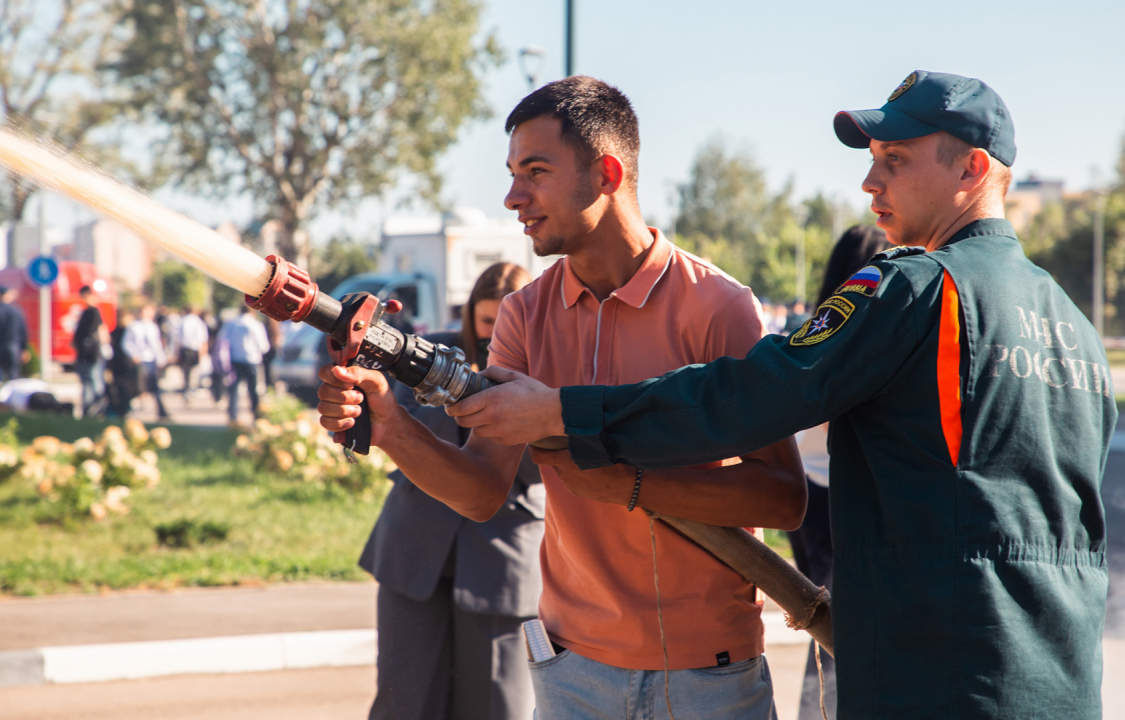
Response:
column 767, row 77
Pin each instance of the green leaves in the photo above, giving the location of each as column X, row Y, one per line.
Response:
column 729, row 216
column 305, row 105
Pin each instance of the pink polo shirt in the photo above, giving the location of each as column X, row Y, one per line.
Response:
column 599, row 598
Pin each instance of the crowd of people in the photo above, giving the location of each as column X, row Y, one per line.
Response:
column 118, row 369
column 144, row 345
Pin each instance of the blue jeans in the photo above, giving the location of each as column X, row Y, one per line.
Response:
column 571, row 687
column 152, row 384
column 92, row 377
column 248, row 373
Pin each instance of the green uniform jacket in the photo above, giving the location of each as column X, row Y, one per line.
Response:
column 971, row 413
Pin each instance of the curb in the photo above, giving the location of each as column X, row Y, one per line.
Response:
column 233, row 654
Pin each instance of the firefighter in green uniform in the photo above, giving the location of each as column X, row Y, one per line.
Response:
column 971, row 412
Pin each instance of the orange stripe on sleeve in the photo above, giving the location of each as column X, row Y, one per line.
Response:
column 949, row 367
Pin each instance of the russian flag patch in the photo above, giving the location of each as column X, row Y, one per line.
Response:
column 865, row 282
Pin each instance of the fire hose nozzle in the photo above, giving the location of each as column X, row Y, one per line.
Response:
column 290, row 294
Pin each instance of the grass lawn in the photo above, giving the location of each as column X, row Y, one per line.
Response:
column 1116, row 357
column 279, row 530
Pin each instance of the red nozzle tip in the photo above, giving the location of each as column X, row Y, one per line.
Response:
column 393, row 306
column 290, row 294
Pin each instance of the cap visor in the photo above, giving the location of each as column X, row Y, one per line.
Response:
column 857, row 128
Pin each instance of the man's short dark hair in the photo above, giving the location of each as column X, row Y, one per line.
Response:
column 596, row 119
column 85, row 290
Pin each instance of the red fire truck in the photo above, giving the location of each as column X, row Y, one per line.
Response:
column 66, row 305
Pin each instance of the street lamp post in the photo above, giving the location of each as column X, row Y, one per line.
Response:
column 45, row 349
column 569, row 37
column 531, row 62
column 1099, row 264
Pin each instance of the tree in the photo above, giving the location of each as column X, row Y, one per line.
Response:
column 51, row 82
column 728, row 215
column 176, row 285
column 339, row 259
column 304, row 104
column 1060, row 240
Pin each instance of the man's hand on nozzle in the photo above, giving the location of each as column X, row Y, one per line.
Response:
column 518, row 410
column 342, row 392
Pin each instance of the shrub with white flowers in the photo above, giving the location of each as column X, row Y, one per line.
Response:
column 88, row 478
column 298, row 448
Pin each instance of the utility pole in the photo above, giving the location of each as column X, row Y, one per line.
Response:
column 45, row 350
column 1099, row 263
column 569, row 37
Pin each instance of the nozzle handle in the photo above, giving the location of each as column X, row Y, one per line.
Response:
column 357, row 438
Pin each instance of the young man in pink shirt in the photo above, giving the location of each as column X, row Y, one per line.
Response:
column 624, row 305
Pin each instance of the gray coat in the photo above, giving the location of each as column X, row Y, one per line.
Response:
column 496, row 563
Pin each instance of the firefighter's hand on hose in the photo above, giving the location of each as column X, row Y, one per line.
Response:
column 613, row 484
column 518, row 411
column 340, row 398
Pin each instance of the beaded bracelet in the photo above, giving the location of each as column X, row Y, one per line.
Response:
column 636, row 490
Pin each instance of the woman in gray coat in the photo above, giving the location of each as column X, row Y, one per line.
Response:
column 453, row 592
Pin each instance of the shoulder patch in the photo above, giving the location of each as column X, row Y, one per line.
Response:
column 900, row 251
column 829, row 318
column 865, row 282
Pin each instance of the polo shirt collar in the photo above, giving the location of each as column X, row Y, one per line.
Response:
column 635, row 292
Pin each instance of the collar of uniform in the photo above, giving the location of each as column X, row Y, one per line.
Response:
column 986, row 226
column 640, row 286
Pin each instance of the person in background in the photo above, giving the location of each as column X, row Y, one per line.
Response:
column 143, row 344
column 124, row 385
column 812, row 542
column 246, row 341
column 220, row 359
column 13, row 336
column 89, row 337
column 192, row 342
column 780, row 319
column 767, row 316
column 452, row 593
column 276, row 339
column 797, row 317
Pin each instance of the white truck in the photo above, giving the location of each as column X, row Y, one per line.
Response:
column 454, row 250
column 430, row 265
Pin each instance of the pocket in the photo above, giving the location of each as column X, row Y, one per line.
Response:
column 549, row 662
column 733, row 668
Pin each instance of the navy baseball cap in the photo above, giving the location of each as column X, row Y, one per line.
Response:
column 929, row 102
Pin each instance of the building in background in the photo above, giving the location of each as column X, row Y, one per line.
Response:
column 454, row 250
column 115, row 252
column 1027, row 198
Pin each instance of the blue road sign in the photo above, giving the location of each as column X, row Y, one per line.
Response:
column 43, row 270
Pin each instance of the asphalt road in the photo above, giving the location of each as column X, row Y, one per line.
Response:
column 319, row 694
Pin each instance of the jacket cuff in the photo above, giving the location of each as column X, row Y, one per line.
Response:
column 583, row 418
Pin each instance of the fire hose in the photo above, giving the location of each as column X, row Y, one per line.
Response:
column 358, row 335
